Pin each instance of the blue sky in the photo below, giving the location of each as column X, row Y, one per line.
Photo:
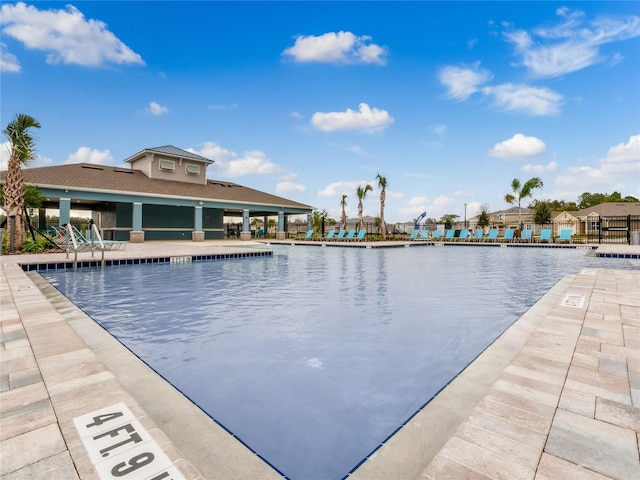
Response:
column 448, row 100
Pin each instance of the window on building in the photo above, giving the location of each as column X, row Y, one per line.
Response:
column 193, row 169
column 167, row 165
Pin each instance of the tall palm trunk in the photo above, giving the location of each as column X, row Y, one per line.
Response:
column 14, row 202
column 383, row 225
column 22, row 151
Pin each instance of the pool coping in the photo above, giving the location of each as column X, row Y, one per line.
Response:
column 401, row 456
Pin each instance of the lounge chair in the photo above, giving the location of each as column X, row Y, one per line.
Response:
column 308, row 235
column 413, row 235
column 545, row 235
column 508, row 235
column 479, row 234
column 360, row 236
column 525, row 236
column 82, row 244
column 332, row 232
column 464, row 234
column 350, row 235
column 449, row 234
column 424, row 235
column 565, row 235
column 340, row 235
column 493, row 235
column 436, row 234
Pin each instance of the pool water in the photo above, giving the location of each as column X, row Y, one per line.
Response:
column 315, row 356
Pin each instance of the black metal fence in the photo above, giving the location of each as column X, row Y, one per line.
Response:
column 600, row 229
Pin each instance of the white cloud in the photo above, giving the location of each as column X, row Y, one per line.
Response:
column 461, row 82
column 518, row 146
column 530, row 100
column 540, row 169
column 88, row 155
column 229, row 164
column 366, row 119
column 296, row 115
column 415, row 206
column 5, row 153
column 253, row 162
column 337, row 47
column 286, row 187
column 8, row 61
column 357, row 149
column 337, row 189
column 439, row 129
column 619, row 170
column 571, row 45
column 155, row 108
column 66, row 35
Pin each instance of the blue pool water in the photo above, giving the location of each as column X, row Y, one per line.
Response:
column 314, row 356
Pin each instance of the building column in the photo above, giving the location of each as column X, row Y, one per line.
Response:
column 246, row 228
column 65, row 212
column 281, row 234
column 42, row 219
column 137, row 234
column 198, row 234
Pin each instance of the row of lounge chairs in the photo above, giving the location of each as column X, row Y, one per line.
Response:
column 492, row 236
column 342, row 235
column 63, row 237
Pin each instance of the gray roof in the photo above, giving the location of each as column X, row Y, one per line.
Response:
column 171, row 151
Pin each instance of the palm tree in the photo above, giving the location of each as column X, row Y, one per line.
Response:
column 382, row 183
column 22, row 150
column 520, row 192
column 362, row 193
column 343, row 220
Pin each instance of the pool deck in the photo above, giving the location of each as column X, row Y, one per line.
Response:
column 556, row 396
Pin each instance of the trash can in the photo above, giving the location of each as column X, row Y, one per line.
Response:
column 635, row 237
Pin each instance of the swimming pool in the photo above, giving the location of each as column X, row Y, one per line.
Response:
column 315, row 356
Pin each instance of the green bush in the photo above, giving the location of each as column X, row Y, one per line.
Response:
column 39, row 246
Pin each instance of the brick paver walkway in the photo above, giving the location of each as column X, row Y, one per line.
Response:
column 568, row 405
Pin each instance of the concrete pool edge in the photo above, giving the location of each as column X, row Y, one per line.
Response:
column 409, row 451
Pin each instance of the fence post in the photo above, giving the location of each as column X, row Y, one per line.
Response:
column 628, row 229
column 599, row 228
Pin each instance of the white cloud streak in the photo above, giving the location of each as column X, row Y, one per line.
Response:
column 524, row 98
column 571, row 45
column 461, row 82
column 67, row 36
column 336, row 47
column 366, row 119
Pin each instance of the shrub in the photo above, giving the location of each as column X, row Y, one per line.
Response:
column 39, row 246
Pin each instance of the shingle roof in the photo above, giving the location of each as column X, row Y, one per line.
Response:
column 171, row 151
column 129, row 181
column 611, row 209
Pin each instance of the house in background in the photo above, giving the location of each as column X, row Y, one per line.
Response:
column 605, row 217
column 164, row 195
